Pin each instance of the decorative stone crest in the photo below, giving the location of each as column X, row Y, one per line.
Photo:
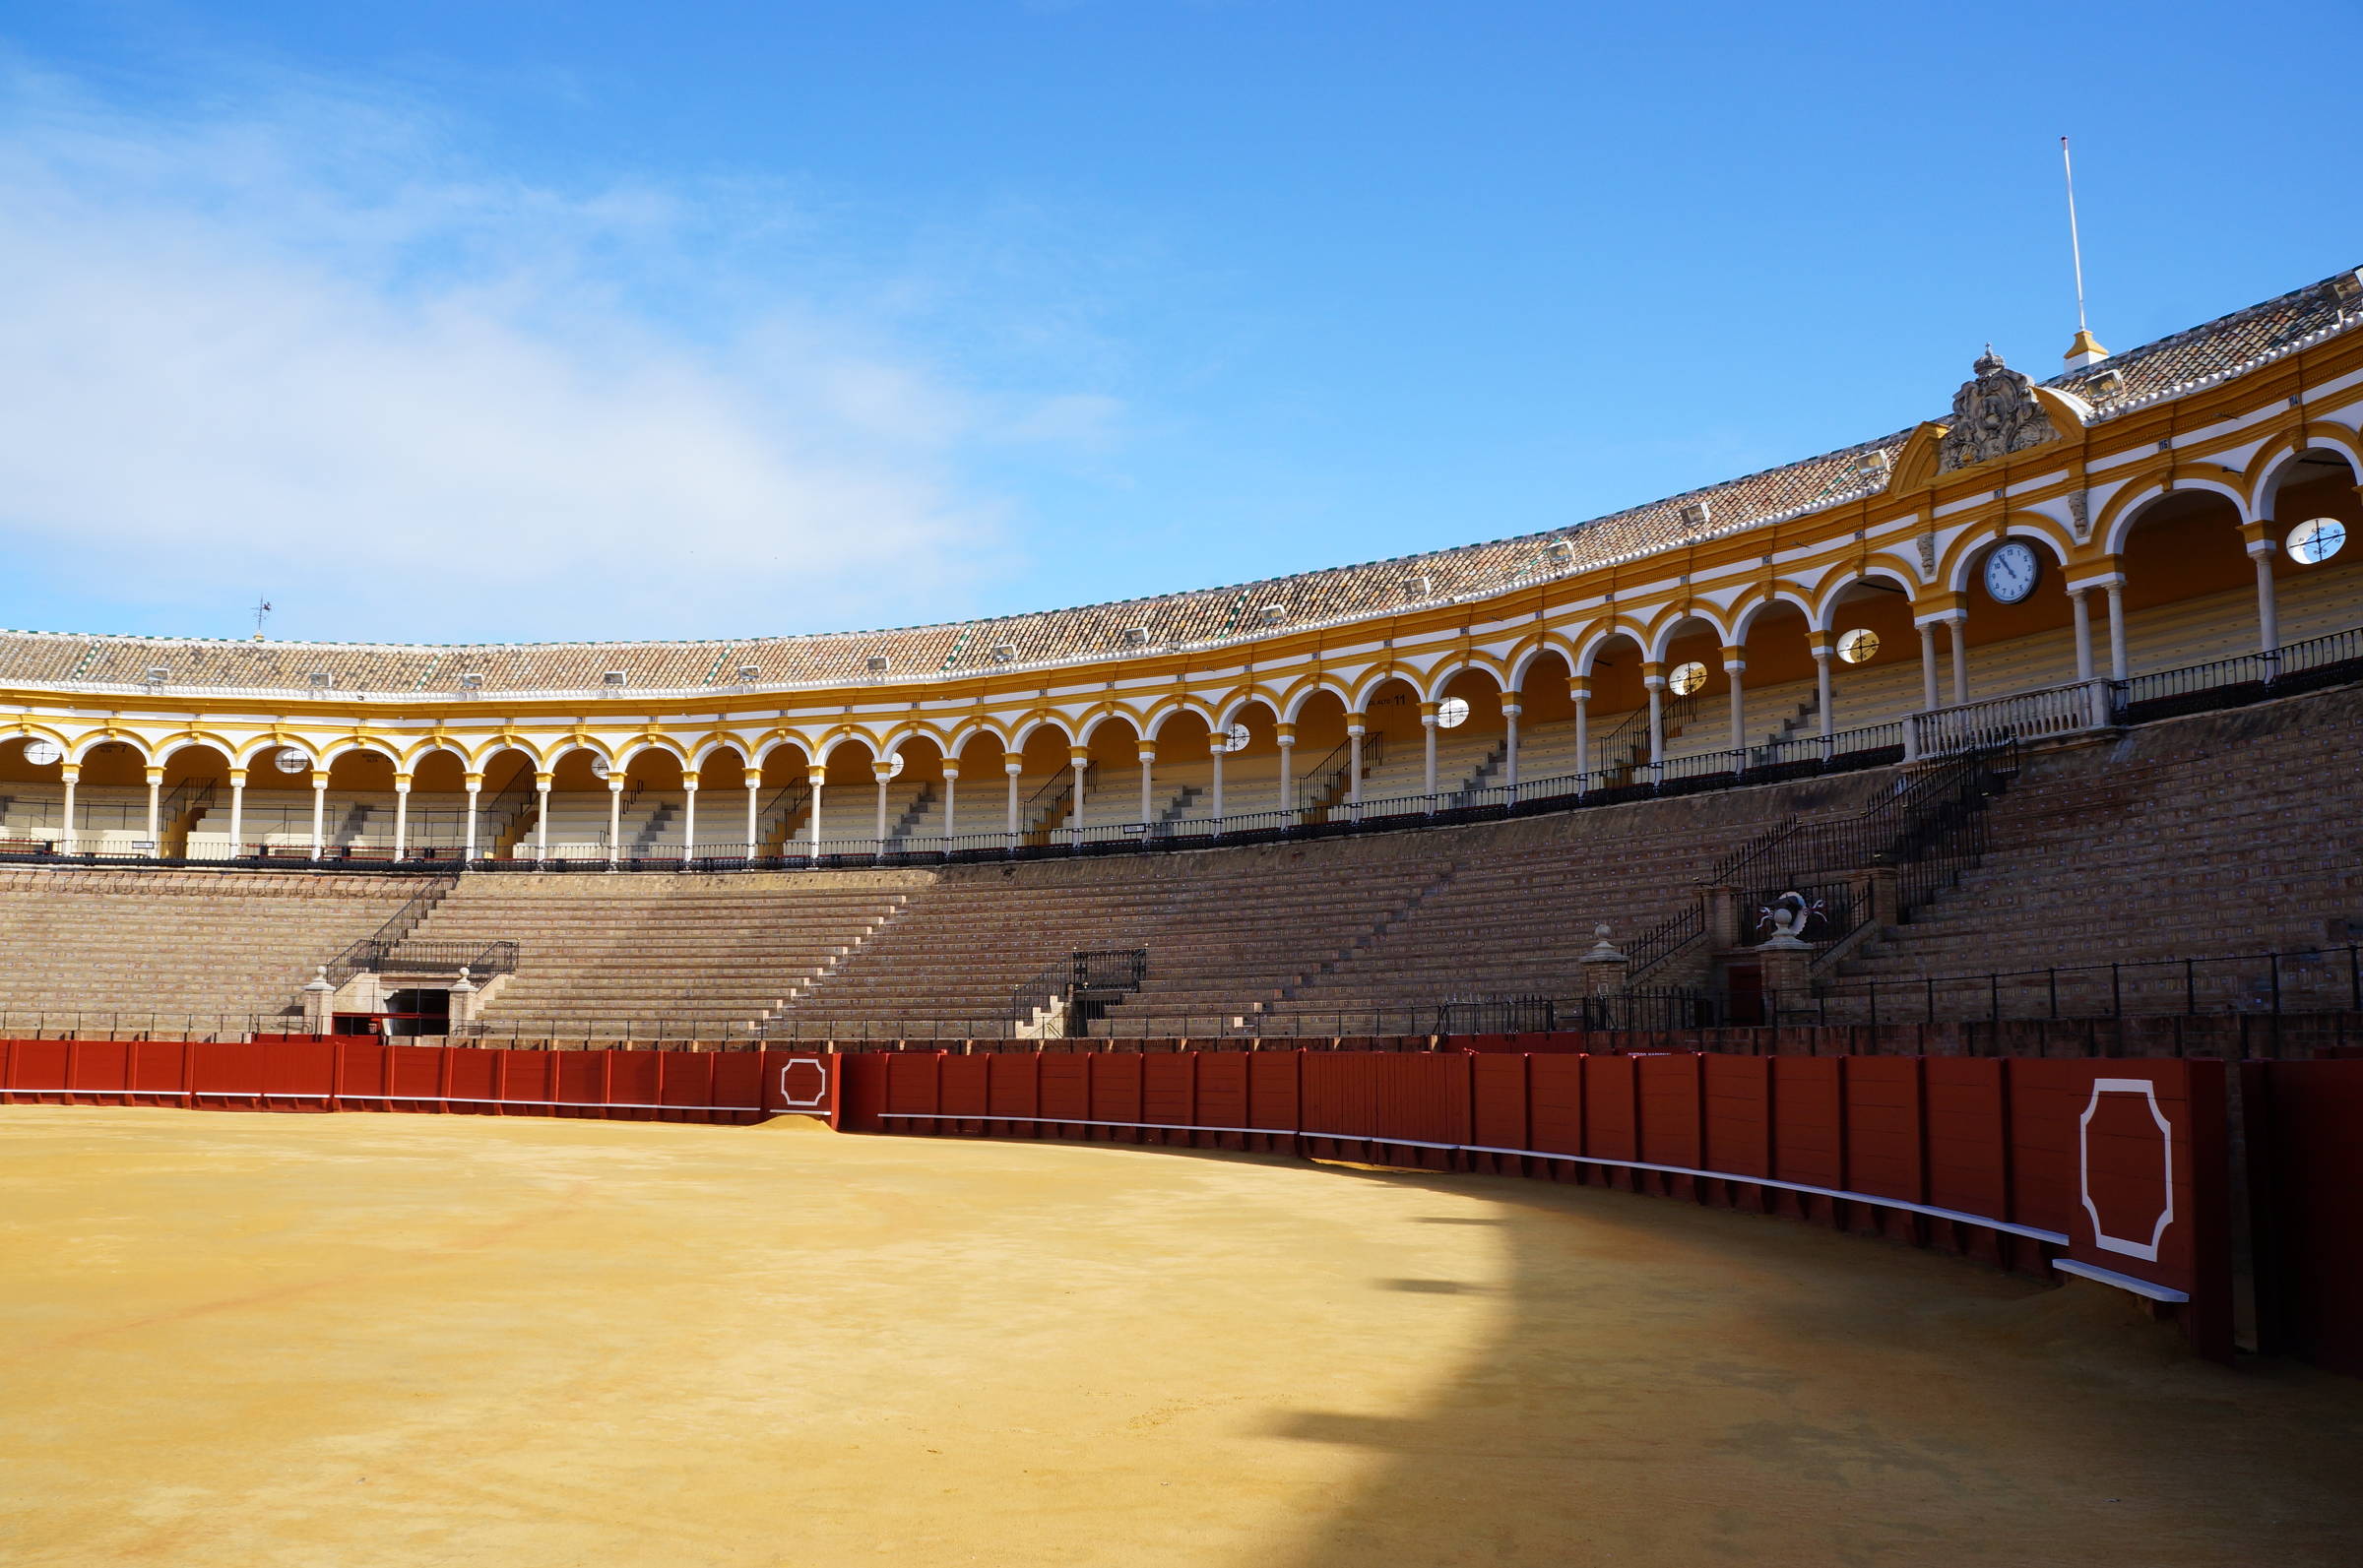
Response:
column 2079, row 515
column 1993, row 416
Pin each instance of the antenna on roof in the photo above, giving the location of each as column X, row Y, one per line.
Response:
column 2086, row 350
column 262, row 608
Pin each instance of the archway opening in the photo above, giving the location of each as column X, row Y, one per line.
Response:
column 2017, row 631
column 2316, row 530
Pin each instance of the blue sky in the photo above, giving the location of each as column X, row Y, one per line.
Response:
column 441, row 320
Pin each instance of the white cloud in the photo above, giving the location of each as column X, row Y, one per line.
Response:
column 308, row 351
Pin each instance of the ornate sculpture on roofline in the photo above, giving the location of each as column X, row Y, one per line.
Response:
column 1993, row 416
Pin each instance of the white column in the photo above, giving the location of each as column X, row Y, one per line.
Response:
column 238, row 811
column 754, row 807
column 1957, row 629
column 1928, row 664
column 155, row 804
column 2269, row 629
column 1080, row 761
column 1580, row 689
column 688, row 814
column 1216, row 744
column 815, row 777
column 1653, row 680
column 1288, row 769
column 541, row 817
column 879, row 834
column 1148, row 782
column 402, row 814
column 319, row 811
column 1354, row 733
column 951, row 802
column 1822, row 693
column 2116, row 631
column 2079, row 611
column 615, row 817
column 1734, row 668
column 475, row 786
column 1428, row 752
column 1509, row 747
column 70, row 773
column 1013, row 766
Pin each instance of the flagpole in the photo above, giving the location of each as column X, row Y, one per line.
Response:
column 2075, row 245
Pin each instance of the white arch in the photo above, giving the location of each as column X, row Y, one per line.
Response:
column 1662, row 639
column 1987, row 539
column 2270, row 483
column 2145, row 498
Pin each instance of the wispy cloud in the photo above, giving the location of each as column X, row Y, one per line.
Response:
column 313, row 347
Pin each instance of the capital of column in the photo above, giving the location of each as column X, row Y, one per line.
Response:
column 1079, row 757
column 69, row 771
column 2259, row 532
column 1354, row 724
column 815, row 774
column 474, row 782
column 951, row 770
column 238, row 777
column 1943, row 617
column 688, row 777
column 320, row 779
column 401, row 783
column 1285, row 733
column 1013, row 766
column 542, row 781
column 155, row 774
column 1821, row 644
column 1735, row 657
column 1512, row 710
column 614, row 783
column 1219, row 744
column 2085, row 585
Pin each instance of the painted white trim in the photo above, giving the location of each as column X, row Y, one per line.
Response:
column 2123, row 1282
column 2147, row 1251
column 818, row 1102
column 2030, row 1232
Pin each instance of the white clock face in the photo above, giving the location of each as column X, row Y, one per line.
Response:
column 2010, row 573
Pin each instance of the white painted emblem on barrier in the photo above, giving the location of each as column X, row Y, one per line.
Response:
column 2147, row 1251
column 820, row 1096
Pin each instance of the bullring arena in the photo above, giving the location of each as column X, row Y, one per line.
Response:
column 1816, row 1021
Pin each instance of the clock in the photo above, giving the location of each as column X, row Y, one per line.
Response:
column 2011, row 572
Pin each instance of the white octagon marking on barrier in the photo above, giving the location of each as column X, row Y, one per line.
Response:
column 819, row 1099
column 2147, row 1251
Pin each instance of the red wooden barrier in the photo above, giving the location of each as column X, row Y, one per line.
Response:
column 358, row 1074
column 2114, row 1170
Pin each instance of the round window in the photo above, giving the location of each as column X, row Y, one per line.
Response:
column 1687, row 678
column 42, row 753
column 294, row 759
column 1451, row 713
column 1235, row 739
column 1859, row 646
column 2316, row 540
column 600, row 768
column 894, row 766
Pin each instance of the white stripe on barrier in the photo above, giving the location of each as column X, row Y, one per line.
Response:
column 2030, row 1232
column 2123, row 1282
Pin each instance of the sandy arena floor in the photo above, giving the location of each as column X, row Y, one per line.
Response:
column 344, row 1341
